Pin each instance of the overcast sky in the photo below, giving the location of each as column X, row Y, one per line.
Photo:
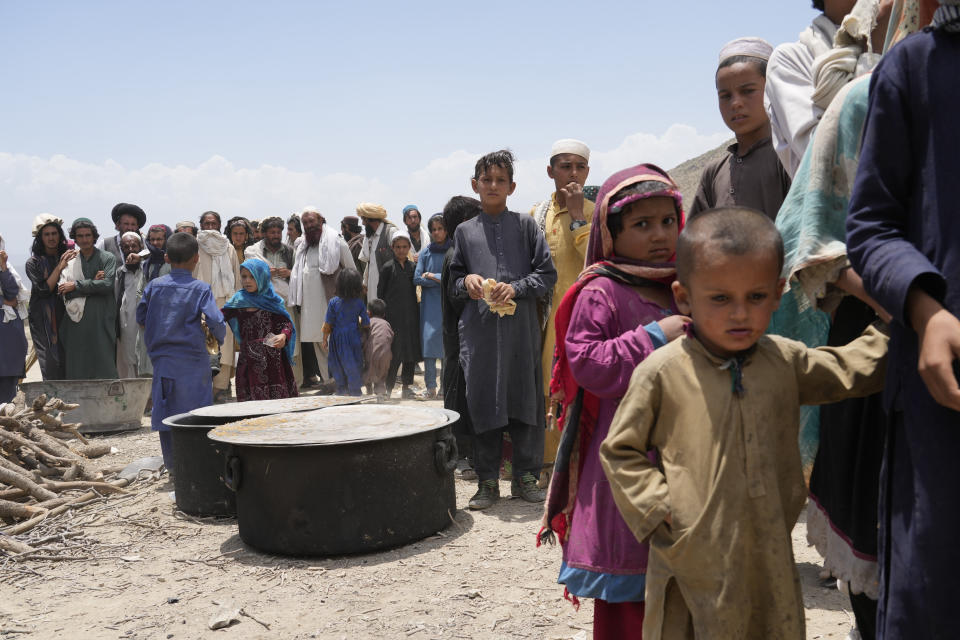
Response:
column 257, row 108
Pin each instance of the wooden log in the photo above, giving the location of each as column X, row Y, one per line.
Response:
column 12, row 466
column 39, row 401
column 102, row 487
column 10, row 423
column 72, row 473
column 28, row 485
column 73, row 428
column 93, row 450
column 64, row 453
column 12, row 494
column 10, row 509
column 17, row 439
column 59, row 405
column 12, row 545
column 23, row 527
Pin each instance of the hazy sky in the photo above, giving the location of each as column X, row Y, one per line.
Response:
column 257, row 108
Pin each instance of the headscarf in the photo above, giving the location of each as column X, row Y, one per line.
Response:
column 577, row 417
column 433, row 247
column 263, row 298
column 124, row 208
column 155, row 261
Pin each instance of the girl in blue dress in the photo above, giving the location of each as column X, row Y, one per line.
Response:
column 346, row 314
column 427, row 276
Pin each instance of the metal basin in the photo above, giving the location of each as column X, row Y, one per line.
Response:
column 198, row 462
column 342, row 480
column 105, row 405
column 198, row 467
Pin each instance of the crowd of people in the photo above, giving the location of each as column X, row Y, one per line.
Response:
column 689, row 378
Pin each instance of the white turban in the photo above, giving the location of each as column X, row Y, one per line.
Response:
column 569, row 145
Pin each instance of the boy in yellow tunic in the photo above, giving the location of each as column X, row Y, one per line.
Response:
column 720, row 406
column 564, row 218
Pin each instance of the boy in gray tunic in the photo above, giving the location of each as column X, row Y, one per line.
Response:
column 500, row 353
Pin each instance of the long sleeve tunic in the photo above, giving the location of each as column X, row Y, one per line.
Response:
column 90, row 346
column 13, row 341
column 170, row 311
column 728, row 475
column 431, row 315
column 500, row 356
column 46, row 315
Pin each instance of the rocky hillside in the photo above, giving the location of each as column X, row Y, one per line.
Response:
column 687, row 174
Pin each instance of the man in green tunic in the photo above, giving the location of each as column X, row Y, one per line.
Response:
column 89, row 333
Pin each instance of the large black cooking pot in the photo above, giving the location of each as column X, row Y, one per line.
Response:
column 198, row 462
column 342, row 480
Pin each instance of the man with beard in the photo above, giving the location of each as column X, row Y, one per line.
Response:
column 125, row 290
column 279, row 256
column 377, row 246
column 89, row 332
column 218, row 266
column 126, row 217
column 154, row 266
column 413, row 219
column 352, row 232
column 318, row 257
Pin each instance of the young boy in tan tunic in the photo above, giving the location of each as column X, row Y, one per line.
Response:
column 721, row 407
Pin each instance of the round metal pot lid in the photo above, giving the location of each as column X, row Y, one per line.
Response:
column 253, row 408
column 334, row 425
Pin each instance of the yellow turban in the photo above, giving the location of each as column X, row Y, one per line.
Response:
column 371, row 210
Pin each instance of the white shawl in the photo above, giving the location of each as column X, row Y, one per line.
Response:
column 216, row 245
column 74, row 273
column 329, row 258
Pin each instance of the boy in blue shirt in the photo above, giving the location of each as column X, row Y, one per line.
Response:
column 170, row 313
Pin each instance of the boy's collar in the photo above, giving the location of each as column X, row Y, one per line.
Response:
column 691, row 333
column 733, row 148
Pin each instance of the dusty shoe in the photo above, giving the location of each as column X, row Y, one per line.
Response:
column 407, row 394
column 486, row 495
column 526, row 487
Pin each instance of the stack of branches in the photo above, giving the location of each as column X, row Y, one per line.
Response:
column 43, row 472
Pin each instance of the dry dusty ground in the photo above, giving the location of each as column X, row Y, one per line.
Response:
column 144, row 570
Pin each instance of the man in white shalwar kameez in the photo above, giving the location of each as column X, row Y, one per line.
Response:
column 318, row 256
column 125, row 289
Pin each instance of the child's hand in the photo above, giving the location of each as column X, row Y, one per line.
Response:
column 323, row 345
column 672, row 326
column 474, row 285
column 279, row 341
column 939, row 337
column 100, row 275
column 502, row 292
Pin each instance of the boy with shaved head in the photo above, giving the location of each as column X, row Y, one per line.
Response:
column 721, row 407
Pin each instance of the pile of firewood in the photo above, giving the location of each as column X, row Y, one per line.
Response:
column 44, row 463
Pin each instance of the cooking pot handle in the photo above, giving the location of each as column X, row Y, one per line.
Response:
column 231, row 473
column 445, row 453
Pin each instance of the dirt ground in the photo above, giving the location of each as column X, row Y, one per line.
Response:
column 133, row 566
